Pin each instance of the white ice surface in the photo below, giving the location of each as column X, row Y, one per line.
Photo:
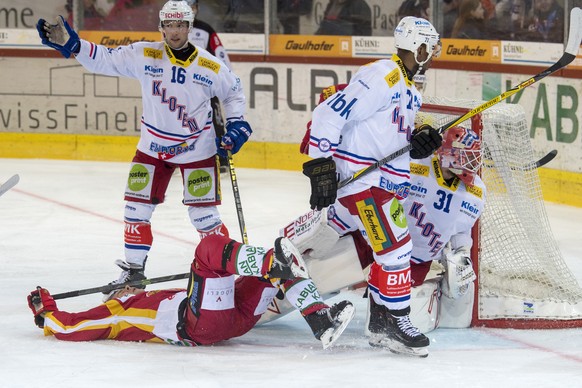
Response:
column 61, row 228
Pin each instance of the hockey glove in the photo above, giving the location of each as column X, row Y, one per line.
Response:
column 322, row 174
column 40, row 302
column 425, row 141
column 237, row 133
column 459, row 273
column 59, row 36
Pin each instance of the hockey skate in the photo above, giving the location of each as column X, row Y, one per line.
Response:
column 394, row 331
column 329, row 323
column 287, row 261
column 129, row 273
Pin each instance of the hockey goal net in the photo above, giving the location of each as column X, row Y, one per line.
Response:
column 522, row 278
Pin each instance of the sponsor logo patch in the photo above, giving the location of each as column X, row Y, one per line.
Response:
column 419, row 169
column 393, row 77
column 373, row 226
column 207, row 63
column 152, row 53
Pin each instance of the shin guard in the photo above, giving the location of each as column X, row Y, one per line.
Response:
column 138, row 240
column 391, row 284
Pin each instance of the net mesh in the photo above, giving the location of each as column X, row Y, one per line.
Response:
column 521, row 272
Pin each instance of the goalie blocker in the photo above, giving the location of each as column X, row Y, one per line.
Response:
column 338, row 262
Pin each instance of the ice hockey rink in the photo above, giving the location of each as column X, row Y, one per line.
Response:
column 61, row 227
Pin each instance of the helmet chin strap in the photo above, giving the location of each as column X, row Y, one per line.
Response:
column 420, row 64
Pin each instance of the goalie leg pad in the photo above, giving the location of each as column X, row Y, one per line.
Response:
column 457, row 313
column 425, row 305
column 311, row 233
column 338, row 269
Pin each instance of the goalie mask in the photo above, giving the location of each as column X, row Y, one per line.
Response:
column 461, row 153
column 412, row 32
column 177, row 11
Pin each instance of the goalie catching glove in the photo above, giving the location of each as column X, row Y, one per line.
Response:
column 459, row 271
column 59, row 36
column 322, row 174
column 425, row 141
column 40, row 302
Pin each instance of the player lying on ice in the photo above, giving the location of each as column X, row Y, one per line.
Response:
column 214, row 308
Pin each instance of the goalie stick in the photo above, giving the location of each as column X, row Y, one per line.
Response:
column 110, row 287
column 574, row 40
column 547, row 158
column 10, row 183
column 541, row 162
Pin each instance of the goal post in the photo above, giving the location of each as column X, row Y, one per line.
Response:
column 522, row 278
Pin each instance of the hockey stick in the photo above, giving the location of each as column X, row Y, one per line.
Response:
column 10, row 183
column 237, row 201
column 110, row 287
column 547, row 158
column 544, row 160
column 574, row 40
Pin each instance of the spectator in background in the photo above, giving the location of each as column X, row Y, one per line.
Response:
column 489, row 7
column 289, row 11
column 119, row 15
column 511, row 16
column 245, row 16
column 450, row 12
column 547, row 24
column 346, row 17
column 416, row 8
column 470, row 23
column 203, row 35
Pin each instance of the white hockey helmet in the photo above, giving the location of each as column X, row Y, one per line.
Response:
column 412, row 32
column 177, row 10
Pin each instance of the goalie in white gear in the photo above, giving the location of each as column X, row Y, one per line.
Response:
column 447, row 197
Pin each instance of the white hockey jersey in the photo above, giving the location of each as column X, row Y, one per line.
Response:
column 177, row 116
column 436, row 212
column 370, row 119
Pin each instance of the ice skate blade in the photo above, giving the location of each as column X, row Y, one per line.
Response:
column 396, row 347
column 333, row 333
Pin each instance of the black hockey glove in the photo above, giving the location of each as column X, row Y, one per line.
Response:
column 425, row 141
column 321, row 172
